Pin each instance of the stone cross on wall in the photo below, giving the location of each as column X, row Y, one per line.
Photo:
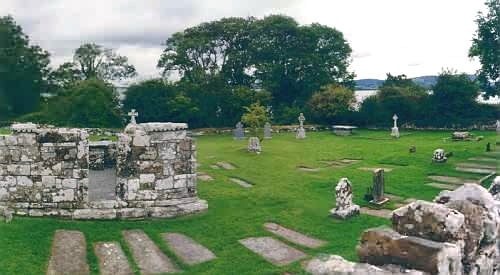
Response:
column 395, row 118
column 301, row 119
column 133, row 114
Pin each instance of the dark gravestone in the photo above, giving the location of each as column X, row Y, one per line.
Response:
column 488, row 147
column 413, row 149
column 378, row 187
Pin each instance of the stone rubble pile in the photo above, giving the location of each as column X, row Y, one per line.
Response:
column 458, row 233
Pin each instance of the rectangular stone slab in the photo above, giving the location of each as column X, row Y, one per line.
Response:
column 293, row 236
column 443, row 186
column 452, row 180
column 475, row 170
column 381, row 213
column 241, row 182
column 112, row 260
column 69, row 254
column 188, row 250
column 147, row 255
column 273, row 250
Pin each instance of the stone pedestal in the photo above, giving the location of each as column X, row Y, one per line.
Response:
column 344, row 208
column 254, row 145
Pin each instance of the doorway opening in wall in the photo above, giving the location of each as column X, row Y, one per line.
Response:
column 102, row 171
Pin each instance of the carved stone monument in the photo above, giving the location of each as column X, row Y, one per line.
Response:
column 254, row 145
column 239, row 132
column 395, row 129
column 301, row 132
column 439, row 156
column 378, row 187
column 267, row 131
column 344, row 208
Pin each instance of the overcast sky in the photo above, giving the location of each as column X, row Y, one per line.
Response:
column 412, row 37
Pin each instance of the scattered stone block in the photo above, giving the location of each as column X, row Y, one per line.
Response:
column 112, row 260
column 293, row 236
column 69, row 254
column 273, row 250
column 147, row 255
column 189, row 251
column 382, row 246
column 241, row 182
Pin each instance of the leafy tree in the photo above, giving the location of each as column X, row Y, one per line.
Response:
column 23, row 71
column 332, row 103
column 454, row 99
column 255, row 117
column 156, row 100
column 93, row 61
column 486, row 46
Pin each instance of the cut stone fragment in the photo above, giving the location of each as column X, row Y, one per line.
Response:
column 381, row 213
column 225, row 165
column 112, row 260
column 293, row 236
column 147, row 255
column 241, row 182
column 69, row 254
column 477, row 165
column 452, row 180
column 273, row 250
column 189, row 251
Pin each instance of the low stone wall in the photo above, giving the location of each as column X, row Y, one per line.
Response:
column 45, row 172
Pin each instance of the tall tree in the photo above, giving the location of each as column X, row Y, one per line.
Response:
column 332, row 103
column 94, row 61
column 23, row 70
column 486, row 46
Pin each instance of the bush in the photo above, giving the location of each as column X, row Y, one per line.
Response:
column 331, row 104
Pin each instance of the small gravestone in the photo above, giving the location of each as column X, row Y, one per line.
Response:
column 439, row 156
column 461, row 136
column 254, row 145
column 301, row 132
column 344, row 208
column 488, row 147
column 267, row 131
column 395, row 129
column 378, row 188
column 239, row 132
column 413, row 149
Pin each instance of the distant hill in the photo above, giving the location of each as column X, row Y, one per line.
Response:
column 426, row 81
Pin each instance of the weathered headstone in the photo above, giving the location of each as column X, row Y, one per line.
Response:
column 254, row 145
column 378, row 187
column 301, row 132
column 395, row 129
column 267, row 131
column 439, row 156
column 239, row 132
column 495, row 188
column 344, row 208
column 413, row 149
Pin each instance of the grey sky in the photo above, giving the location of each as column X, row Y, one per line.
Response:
column 398, row 36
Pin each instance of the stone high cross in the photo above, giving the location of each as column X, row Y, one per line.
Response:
column 301, row 119
column 133, row 114
column 395, row 118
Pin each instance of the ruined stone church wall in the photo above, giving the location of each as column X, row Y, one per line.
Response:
column 44, row 171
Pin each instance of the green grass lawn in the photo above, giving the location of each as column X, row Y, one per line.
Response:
column 281, row 193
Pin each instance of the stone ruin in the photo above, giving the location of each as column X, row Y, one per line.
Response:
column 458, row 233
column 149, row 172
column 344, row 208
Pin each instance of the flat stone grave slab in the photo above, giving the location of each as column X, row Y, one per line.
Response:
column 332, row 163
column 225, row 165
column 452, row 180
column 215, row 167
column 370, row 169
column 349, row 161
column 147, row 255
column 477, row 165
column 204, row 177
column 443, row 186
column 273, row 250
column 69, row 254
column 381, row 213
column 189, row 251
column 484, row 159
column 241, row 182
column 307, row 169
column 481, row 171
column 112, row 260
column 293, row 236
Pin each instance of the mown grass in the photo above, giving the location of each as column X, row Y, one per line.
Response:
column 281, row 193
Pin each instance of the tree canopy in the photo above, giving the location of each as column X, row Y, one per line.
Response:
column 486, row 47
